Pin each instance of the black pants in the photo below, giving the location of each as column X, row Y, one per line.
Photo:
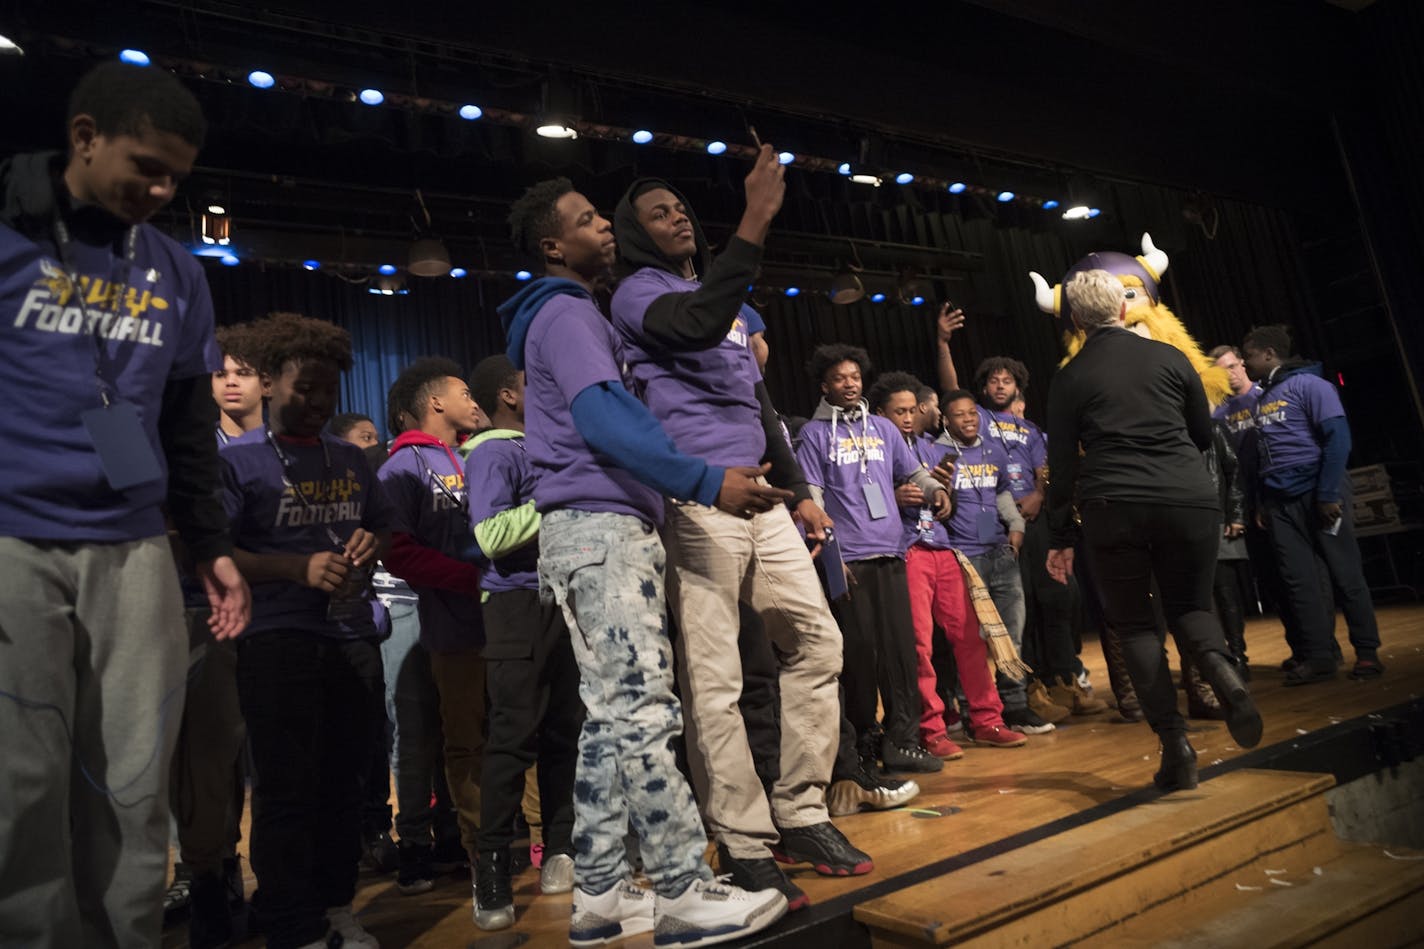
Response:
column 1049, row 609
column 312, row 706
column 1233, row 578
column 534, row 714
column 760, row 703
column 1299, row 542
column 879, row 651
column 1131, row 543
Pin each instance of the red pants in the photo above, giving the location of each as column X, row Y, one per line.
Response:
column 938, row 595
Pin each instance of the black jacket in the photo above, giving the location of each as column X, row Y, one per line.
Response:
column 1137, row 409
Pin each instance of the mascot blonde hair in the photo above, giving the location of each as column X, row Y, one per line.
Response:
column 1146, row 314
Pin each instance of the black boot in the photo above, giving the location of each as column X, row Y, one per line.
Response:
column 1179, row 763
column 1242, row 718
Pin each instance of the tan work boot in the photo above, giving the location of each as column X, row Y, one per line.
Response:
column 1043, row 706
column 1073, row 697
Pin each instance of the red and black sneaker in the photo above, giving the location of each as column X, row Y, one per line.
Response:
column 1367, row 668
column 761, row 873
column 824, row 848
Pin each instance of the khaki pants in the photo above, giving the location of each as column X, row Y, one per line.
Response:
column 714, row 560
column 460, row 680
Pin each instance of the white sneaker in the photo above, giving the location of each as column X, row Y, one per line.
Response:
column 557, row 874
column 710, row 911
column 624, row 910
column 352, row 934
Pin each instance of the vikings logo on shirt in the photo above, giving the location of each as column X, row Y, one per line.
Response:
column 327, row 502
column 982, row 475
column 114, row 311
column 850, row 447
column 1269, row 413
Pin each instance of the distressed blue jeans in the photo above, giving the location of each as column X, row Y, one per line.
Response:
column 606, row 573
column 999, row 569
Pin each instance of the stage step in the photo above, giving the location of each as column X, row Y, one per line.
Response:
column 1088, row 879
column 1366, row 895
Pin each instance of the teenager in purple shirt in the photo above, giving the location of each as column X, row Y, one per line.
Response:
column 603, row 464
column 308, row 524
column 1302, row 498
column 532, row 678
column 854, row 460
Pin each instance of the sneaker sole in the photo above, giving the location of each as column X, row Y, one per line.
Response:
column 930, row 765
column 492, row 919
column 1243, row 721
column 1043, row 729
column 825, row 869
column 416, row 888
column 847, row 797
column 758, row 920
column 984, row 743
column 609, row 932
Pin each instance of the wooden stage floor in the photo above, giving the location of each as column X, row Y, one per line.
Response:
column 976, row 802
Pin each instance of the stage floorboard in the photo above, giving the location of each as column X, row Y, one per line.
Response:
column 978, row 802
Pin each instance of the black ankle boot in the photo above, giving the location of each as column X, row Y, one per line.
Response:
column 1242, row 718
column 1179, row 763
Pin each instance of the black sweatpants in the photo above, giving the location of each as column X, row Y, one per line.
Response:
column 879, row 650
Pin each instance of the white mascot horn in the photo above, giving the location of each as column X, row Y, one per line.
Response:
column 1155, row 259
column 1043, row 294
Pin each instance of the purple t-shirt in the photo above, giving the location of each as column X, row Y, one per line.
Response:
column 569, row 347
column 1287, row 417
column 341, row 493
column 836, row 469
column 919, row 523
column 705, row 399
column 501, row 478
column 980, row 474
column 1238, row 413
column 1025, row 448
column 425, row 490
column 156, row 320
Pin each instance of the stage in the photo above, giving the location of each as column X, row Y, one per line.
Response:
column 988, row 803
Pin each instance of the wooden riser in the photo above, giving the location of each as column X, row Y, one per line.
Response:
column 1065, row 887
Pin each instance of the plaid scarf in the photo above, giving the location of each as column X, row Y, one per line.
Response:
column 991, row 628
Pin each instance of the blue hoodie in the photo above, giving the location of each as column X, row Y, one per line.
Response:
column 595, row 447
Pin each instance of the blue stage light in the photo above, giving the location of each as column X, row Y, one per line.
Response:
column 844, row 168
column 458, row 272
column 877, row 298
column 372, row 96
column 793, row 291
column 523, row 275
column 1050, row 204
column 904, row 178
column 229, row 260
column 134, row 57
column 785, row 158
column 260, row 79
column 642, row 137
column 386, row 270
column 958, row 187
column 715, row 147
column 471, row 112
column 1004, row 197
column 311, row 265
column 916, row 300
column 1094, row 212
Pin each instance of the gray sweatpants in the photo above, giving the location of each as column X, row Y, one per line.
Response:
column 93, row 654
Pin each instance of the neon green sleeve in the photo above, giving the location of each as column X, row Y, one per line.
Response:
column 507, row 531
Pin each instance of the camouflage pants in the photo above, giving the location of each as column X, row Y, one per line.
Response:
column 606, row 573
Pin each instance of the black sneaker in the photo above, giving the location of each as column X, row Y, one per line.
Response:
column 210, row 922
column 867, row 790
column 379, row 852
column 1310, row 671
column 1028, row 721
column 824, row 848
column 908, row 757
column 416, row 873
column 761, row 873
column 494, row 895
column 1367, row 668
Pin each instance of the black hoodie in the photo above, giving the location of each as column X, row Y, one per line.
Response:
column 699, row 319
column 32, row 191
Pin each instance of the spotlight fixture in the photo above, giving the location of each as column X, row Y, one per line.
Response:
column 862, row 178
column 386, row 270
column 556, row 129
column 311, row 265
column 911, row 289
column 1004, row 197
column 1078, row 212
column 470, row 112
column 261, row 79
column 1050, row 204
column 846, row 287
column 793, row 291
column 1094, row 212
column 716, row 147
column 372, row 96
column 877, row 298
column 1082, row 193
column 134, row 57
column 522, row 275
column 216, row 225
column 429, row 258
column 222, row 255
column 388, row 286
column 958, row 187
column 458, row 272
column 916, row 300
column 642, row 137
column 843, row 168
column 904, row 178
column 9, row 47
column 785, row 158
column 229, row 260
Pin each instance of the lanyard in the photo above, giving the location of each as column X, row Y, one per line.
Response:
column 287, row 463
column 459, row 502
column 64, row 243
